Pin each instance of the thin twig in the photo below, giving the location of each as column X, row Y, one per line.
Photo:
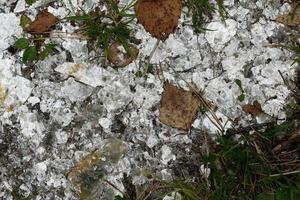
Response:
column 285, row 173
column 115, row 187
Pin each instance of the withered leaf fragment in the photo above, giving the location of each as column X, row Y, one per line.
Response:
column 178, row 108
column 42, row 22
column 292, row 18
column 118, row 56
column 254, row 109
column 159, row 17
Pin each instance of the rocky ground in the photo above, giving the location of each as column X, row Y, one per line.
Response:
column 49, row 119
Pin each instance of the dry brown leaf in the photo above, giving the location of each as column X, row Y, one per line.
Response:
column 42, row 23
column 292, row 18
column 119, row 57
column 254, row 109
column 159, row 17
column 178, row 108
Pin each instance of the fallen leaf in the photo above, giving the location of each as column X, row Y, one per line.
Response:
column 254, row 109
column 292, row 18
column 159, row 17
column 85, row 163
column 118, row 56
column 178, row 108
column 25, row 21
column 42, row 23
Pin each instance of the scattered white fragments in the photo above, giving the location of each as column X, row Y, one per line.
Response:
column 10, row 29
column 219, row 33
column 15, row 89
column 75, row 106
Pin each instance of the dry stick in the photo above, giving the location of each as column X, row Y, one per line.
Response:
column 285, row 173
column 115, row 187
column 217, row 122
column 152, row 53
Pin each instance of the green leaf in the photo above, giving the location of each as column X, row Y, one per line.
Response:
column 47, row 51
column 139, row 74
column 29, row 54
column 30, row 2
column 22, row 43
column 25, row 21
column 79, row 18
column 241, row 97
column 239, row 83
column 118, row 197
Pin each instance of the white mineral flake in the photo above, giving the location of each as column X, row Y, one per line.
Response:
column 115, row 95
column 105, row 122
column 58, row 12
column 33, row 100
column 76, row 91
column 56, row 181
column 18, row 88
column 89, row 74
column 139, row 180
column 77, row 48
column 209, row 123
column 124, row 165
column 173, row 196
column 228, row 2
column 39, row 170
column 10, row 28
column 166, row 175
column 205, row 171
column 116, row 181
column 152, row 141
column 20, row 7
column 61, row 137
column 220, row 33
column 31, row 127
column 63, row 115
column 166, row 154
column 260, row 31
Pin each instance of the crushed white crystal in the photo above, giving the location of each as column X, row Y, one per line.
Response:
column 69, row 107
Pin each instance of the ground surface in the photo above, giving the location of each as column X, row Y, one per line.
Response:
column 49, row 119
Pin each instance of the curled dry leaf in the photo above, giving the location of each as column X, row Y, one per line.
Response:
column 254, row 109
column 118, row 56
column 178, row 108
column 159, row 17
column 42, row 23
column 292, row 18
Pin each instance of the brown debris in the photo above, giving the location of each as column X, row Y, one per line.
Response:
column 292, row 18
column 254, row 109
column 294, row 138
column 178, row 108
column 119, row 58
column 42, row 23
column 159, row 17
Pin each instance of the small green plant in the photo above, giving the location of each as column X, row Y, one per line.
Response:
column 118, row 197
column 106, row 27
column 33, row 51
column 244, row 168
column 241, row 97
column 202, row 11
column 30, row 2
